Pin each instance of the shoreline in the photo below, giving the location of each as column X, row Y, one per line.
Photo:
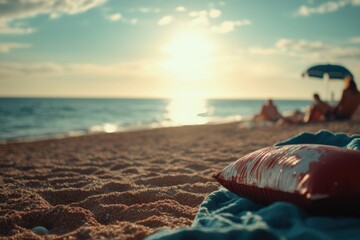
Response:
column 80, row 133
column 242, row 124
column 74, row 135
column 125, row 185
column 38, row 119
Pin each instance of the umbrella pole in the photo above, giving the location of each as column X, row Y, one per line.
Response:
column 327, row 87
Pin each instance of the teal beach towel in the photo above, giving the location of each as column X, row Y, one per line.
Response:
column 224, row 215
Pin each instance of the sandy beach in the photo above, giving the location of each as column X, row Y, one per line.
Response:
column 124, row 185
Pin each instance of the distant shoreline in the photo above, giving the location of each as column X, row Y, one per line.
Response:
column 65, row 136
column 23, row 119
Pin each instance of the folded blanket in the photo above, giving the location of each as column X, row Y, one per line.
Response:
column 325, row 138
column 224, row 215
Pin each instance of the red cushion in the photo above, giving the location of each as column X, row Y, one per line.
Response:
column 307, row 175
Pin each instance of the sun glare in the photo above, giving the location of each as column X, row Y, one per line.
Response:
column 189, row 44
column 189, row 56
column 187, row 111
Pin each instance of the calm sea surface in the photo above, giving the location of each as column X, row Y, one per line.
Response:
column 38, row 118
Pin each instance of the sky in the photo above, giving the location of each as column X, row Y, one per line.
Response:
column 174, row 49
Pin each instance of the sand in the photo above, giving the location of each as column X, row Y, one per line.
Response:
column 124, row 185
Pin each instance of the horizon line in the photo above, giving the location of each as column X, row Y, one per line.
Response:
column 150, row 98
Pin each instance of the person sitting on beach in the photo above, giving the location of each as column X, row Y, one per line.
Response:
column 348, row 104
column 268, row 112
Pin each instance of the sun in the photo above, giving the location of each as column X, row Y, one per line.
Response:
column 189, row 56
column 189, row 44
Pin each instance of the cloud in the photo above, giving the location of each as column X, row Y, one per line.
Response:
column 202, row 21
column 180, row 9
column 263, row 51
column 200, row 18
column 120, row 69
column 115, row 17
column 229, row 26
column 13, row 11
column 348, row 52
column 6, row 29
column 291, row 47
column 299, row 45
column 134, row 21
column 166, row 20
column 56, row 79
column 119, row 17
column 214, row 13
column 146, row 10
column 220, row 4
column 10, row 69
column 307, row 49
column 198, row 13
column 7, row 47
column 355, row 39
column 206, row 18
column 326, row 7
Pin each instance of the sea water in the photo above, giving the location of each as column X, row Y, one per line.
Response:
column 41, row 118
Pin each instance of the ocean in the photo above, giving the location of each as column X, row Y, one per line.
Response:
column 41, row 118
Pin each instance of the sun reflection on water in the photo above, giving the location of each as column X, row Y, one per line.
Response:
column 188, row 111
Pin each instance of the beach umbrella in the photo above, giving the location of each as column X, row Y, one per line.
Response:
column 327, row 72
